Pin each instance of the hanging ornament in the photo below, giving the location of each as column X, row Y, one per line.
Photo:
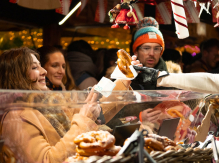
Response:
column 83, row 4
column 64, row 10
column 216, row 25
column 208, row 5
column 216, row 5
column 180, row 19
column 214, row 10
column 100, row 11
column 163, row 13
column 191, row 12
column 124, row 13
column 195, row 3
column 202, row 5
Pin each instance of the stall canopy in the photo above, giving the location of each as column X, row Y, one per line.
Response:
column 92, row 19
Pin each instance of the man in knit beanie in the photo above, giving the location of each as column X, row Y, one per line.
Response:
column 148, row 47
column 148, row 44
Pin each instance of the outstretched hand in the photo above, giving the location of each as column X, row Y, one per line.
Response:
column 151, row 115
column 91, row 109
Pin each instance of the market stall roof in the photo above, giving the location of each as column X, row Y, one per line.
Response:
column 18, row 16
column 14, row 18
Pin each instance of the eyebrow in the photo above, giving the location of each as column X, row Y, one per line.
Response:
column 57, row 63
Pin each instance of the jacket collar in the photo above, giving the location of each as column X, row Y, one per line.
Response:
column 161, row 65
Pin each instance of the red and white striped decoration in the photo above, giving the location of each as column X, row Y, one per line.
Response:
column 214, row 10
column 83, row 4
column 163, row 13
column 192, row 12
column 139, row 8
column 180, row 19
column 100, row 13
column 64, row 10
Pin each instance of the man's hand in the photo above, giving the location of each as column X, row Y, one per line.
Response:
column 150, row 115
column 92, row 108
column 136, row 62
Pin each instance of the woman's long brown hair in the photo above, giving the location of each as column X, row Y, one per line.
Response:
column 15, row 65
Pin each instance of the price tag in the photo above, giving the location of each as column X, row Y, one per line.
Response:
column 105, row 86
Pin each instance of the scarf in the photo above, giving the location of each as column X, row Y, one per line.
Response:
column 52, row 86
column 54, row 114
column 161, row 65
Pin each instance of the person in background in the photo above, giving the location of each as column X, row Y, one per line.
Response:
column 209, row 58
column 148, row 47
column 110, row 62
column 99, row 62
column 53, row 60
column 38, row 134
column 83, row 69
column 187, row 60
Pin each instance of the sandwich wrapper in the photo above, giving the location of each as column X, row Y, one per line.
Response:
column 117, row 74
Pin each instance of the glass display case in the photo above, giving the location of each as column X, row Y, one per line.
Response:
column 27, row 115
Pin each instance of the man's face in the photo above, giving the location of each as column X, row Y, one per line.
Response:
column 149, row 54
column 212, row 57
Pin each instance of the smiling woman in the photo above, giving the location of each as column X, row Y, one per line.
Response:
column 53, row 60
column 22, row 70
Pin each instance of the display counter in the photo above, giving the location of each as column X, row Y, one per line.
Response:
column 27, row 116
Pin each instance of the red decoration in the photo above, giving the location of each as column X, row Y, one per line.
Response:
column 192, row 12
column 101, row 11
column 214, row 10
column 13, row 1
column 64, row 10
column 83, row 4
column 124, row 13
column 163, row 13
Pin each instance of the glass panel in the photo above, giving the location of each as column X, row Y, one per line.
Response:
column 33, row 122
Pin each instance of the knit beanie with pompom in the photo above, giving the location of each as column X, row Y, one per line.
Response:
column 148, row 31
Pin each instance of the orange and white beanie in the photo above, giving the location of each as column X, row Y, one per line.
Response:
column 148, row 31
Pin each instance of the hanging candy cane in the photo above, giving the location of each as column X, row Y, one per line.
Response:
column 180, row 19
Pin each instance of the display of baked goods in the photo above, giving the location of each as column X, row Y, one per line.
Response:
column 97, row 143
column 155, row 142
column 123, row 62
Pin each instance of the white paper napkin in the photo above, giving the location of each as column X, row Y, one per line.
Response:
column 105, row 86
column 117, row 74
